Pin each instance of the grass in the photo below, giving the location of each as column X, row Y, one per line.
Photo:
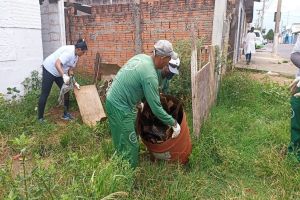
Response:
column 259, row 46
column 240, row 154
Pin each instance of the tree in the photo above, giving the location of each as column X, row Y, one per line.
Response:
column 270, row 35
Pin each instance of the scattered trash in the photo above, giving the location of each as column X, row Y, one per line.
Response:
column 157, row 137
column 17, row 157
column 102, row 89
column 270, row 73
column 64, row 89
column 151, row 128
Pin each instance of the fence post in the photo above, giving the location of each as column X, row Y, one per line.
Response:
column 194, row 69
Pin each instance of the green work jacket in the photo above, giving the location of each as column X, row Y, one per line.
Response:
column 137, row 80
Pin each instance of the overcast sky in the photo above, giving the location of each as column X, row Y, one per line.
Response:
column 290, row 13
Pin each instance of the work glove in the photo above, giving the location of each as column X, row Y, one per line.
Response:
column 66, row 79
column 176, row 130
column 294, row 85
column 77, row 85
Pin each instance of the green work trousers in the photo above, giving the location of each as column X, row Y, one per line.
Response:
column 294, row 146
column 122, row 126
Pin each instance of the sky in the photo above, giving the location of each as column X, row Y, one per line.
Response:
column 290, row 13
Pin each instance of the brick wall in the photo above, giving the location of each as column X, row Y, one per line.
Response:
column 114, row 30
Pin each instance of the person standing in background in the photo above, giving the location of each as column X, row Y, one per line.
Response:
column 249, row 45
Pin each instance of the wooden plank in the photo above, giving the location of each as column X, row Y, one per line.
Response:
column 194, row 68
column 96, row 67
column 89, row 104
column 203, row 85
column 213, row 74
column 203, row 94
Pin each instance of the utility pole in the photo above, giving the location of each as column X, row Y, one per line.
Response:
column 277, row 23
column 262, row 16
column 287, row 21
column 258, row 18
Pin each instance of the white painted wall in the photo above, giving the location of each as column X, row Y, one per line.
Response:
column 53, row 26
column 21, row 43
column 219, row 18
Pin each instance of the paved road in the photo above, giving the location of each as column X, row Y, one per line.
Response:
column 284, row 50
column 264, row 61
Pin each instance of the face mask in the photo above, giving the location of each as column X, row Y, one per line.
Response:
column 169, row 75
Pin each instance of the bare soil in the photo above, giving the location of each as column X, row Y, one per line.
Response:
column 55, row 114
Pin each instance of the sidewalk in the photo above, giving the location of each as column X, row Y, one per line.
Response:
column 264, row 61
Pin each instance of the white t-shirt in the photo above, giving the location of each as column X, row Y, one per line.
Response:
column 66, row 55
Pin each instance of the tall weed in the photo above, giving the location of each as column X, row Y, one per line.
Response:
column 241, row 153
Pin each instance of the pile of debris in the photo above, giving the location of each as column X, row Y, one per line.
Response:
column 150, row 128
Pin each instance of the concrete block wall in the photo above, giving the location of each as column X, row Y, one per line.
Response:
column 21, row 43
column 53, row 26
column 111, row 30
column 219, row 18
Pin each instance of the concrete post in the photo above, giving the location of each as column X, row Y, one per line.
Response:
column 277, row 23
column 53, row 26
column 137, row 21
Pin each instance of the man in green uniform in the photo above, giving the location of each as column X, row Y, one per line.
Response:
column 136, row 80
column 294, row 146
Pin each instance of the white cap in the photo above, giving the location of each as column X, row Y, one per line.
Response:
column 174, row 65
column 165, row 48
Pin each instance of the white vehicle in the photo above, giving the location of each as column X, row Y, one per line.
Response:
column 259, row 40
column 265, row 41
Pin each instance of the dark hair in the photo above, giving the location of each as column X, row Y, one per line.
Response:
column 81, row 44
column 252, row 29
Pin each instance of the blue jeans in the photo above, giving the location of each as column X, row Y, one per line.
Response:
column 47, row 82
column 248, row 57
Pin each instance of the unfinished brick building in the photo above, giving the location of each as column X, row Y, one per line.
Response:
column 119, row 31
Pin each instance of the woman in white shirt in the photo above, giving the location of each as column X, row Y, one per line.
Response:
column 56, row 68
column 249, row 45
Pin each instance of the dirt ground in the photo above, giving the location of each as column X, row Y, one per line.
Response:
column 7, row 154
column 55, row 114
column 264, row 77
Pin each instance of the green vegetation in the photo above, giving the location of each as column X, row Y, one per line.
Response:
column 258, row 46
column 180, row 86
column 239, row 155
column 270, row 35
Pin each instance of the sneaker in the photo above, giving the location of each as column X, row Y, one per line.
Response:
column 67, row 117
column 41, row 120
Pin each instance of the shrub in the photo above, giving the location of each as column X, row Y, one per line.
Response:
column 180, row 86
